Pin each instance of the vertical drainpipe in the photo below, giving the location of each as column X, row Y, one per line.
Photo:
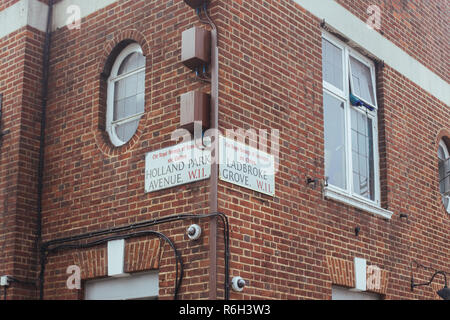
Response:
column 213, row 202
column 213, row 192
column 44, row 97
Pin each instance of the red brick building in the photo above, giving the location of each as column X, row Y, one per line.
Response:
column 360, row 197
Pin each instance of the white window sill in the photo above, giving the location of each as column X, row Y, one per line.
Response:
column 333, row 194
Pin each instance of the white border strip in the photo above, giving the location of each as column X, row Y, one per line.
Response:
column 21, row 14
column 34, row 13
column 332, row 193
column 87, row 7
column 356, row 30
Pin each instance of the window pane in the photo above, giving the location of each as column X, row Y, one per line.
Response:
column 131, row 85
column 364, row 188
column 119, row 90
column 140, row 103
column 334, row 122
column 119, row 99
column 446, row 201
column 132, row 62
column 130, row 106
column 129, row 64
column 119, row 110
column 441, row 153
column 141, row 82
column 126, row 131
column 356, row 183
column 362, row 81
column 129, row 96
column 442, row 176
column 141, row 60
column 332, row 64
column 362, row 155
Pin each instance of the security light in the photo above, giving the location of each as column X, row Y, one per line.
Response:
column 238, row 284
column 444, row 293
column 194, row 232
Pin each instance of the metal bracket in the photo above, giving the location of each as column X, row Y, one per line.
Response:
column 313, row 182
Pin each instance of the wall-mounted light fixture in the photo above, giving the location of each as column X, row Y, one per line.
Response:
column 238, row 284
column 444, row 293
column 194, row 232
column 312, row 182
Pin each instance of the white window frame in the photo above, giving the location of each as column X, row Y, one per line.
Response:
column 368, row 63
column 342, row 94
column 446, row 155
column 347, row 195
column 113, row 78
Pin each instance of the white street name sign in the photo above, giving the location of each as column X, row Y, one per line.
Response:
column 177, row 165
column 246, row 166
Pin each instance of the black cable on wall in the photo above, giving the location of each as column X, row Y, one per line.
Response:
column 67, row 243
column 178, row 259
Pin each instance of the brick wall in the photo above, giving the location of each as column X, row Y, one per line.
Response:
column 20, row 85
column 271, row 66
column 419, row 27
column 92, row 185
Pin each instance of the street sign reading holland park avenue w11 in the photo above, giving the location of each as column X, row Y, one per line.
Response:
column 177, row 165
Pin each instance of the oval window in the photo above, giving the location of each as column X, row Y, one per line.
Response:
column 126, row 95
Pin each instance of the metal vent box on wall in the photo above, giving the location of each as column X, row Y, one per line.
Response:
column 195, row 106
column 195, row 47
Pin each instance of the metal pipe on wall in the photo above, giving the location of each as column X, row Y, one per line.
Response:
column 213, row 192
column 213, row 203
column 44, row 98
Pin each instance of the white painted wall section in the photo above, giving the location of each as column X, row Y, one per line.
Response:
column 116, row 258
column 87, row 7
column 34, row 13
column 360, row 274
column 25, row 12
